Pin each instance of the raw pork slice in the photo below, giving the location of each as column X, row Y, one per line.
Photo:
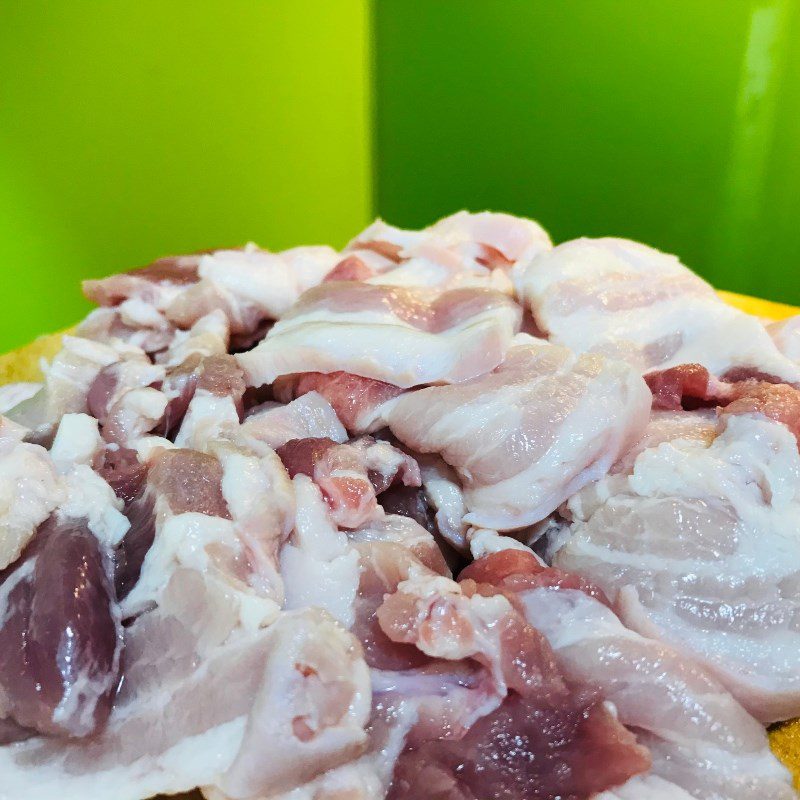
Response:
column 485, row 240
column 250, row 285
column 530, row 434
column 360, row 403
column 700, row 546
column 310, row 416
column 629, row 301
column 202, row 702
column 401, row 336
column 699, row 737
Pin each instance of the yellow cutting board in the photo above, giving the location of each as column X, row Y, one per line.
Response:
column 23, row 365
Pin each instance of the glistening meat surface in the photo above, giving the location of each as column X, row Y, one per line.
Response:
column 530, row 434
column 699, row 546
column 632, row 302
column 381, row 332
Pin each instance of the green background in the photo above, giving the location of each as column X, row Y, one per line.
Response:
column 134, row 129
column 129, row 130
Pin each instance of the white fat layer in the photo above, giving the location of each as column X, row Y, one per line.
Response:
column 484, row 542
column 719, row 521
column 689, row 319
column 89, row 496
column 318, row 566
column 382, row 347
column 185, row 541
column 208, row 417
column 30, row 489
column 309, row 416
column 207, row 337
column 77, row 441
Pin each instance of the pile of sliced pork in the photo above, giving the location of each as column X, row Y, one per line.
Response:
column 453, row 514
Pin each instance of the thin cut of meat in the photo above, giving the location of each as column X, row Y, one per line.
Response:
column 250, row 285
column 201, row 704
column 546, row 739
column 632, row 302
column 486, row 239
column 311, row 416
column 530, row 434
column 60, row 633
column 379, row 332
column 360, row 403
column 698, row 546
column 699, row 737
column 155, row 284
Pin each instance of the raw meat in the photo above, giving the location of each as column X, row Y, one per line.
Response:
column 360, row 403
column 629, row 301
column 309, row 417
column 378, row 332
column 530, row 434
column 699, row 547
column 700, row 738
column 60, row 633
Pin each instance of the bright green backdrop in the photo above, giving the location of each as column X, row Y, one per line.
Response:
column 676, row 122
column 133, row 129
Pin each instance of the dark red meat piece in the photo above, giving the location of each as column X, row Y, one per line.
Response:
column 61, row 639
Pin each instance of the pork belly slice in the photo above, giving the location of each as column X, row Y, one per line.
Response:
column 156, row 284
column 250, row 285
column 699, row 547
column 530, row 434
column 201, row 704
column 629, row 301
column 545, row 738
column 224, row 514
column 469, row 243
column 360, row 403
column 310, row 416
column 701, row 740
column 379, row 332
column 703, row 743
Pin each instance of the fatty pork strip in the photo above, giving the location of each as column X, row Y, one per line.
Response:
column 203, row 662
column 530, row 434
column 632, row 302
column 250, row 286
column 698, row 545
column 703, row 743
column 380, row 332
column 461, row 250
column 69, row 377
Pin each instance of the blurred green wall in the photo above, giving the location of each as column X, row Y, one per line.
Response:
column 134, row 129
column 676, row 122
